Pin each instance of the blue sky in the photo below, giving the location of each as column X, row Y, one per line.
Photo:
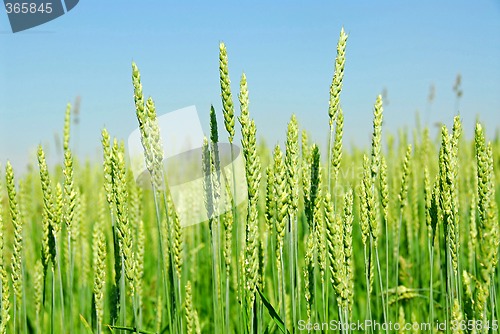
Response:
column 287, row 51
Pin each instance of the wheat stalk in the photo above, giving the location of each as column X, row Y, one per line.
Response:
column 279, row 198
column 99, row 264
column 191, row 314
column 402, row 197
column 292, row 179
column 4, row 282
column 312, row 210
column 334, row 150
column 487, row 224
column 17, row 252
column 38, row 289
column 48, row 242
column 336, row 255
column 348, row 219
column 227, row 99
column 69, row 205
column 253, row 176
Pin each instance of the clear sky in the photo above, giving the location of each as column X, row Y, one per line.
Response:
column 287, row 50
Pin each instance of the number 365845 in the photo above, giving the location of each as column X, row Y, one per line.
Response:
column 28, row 8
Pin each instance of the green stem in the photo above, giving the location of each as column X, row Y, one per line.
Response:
column 386, row 266
column 237, row 233
column 123, row 294
column 283, row 288
column 173, row 277
column 381, row 289
column 161, row 274
column 214, row 236
column 292, row 259
column 367, row 278
column 70, row 280
column 52, row 313
column 431, row 292
column 398, row 238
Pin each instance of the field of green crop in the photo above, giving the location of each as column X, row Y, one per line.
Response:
column 401, row 236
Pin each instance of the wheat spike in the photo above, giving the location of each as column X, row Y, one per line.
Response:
column 4, row 282
column 225, row 85
column 338, row 76
column 17, row 252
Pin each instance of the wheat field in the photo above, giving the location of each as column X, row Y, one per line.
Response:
column 401, row 237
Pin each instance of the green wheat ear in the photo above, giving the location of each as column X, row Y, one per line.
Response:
column 153, row 149
column 457, row 316
column 336, row 252
column 215, row 158
column 488, row 231
column 384, row 189
column 38, row 286
column 58, row 209
column 138, row 97
column 348, row 249
column 149, row 129
column 337, row 144
column 176, row 234
column 107, row 166
column 207, row 181
column 99, row 263
column 377, row 135
column 252, row 233
column 70, row 194
column 280, row 200
column 311, row 199
column 448, row 195
column 244, row 113
column 309, row 273
column 364, row 208
column 253, row 177
column 225, row 85
column 403, row 194
column 338, row 76
column 270, row 210
column 4, row 281
column 120, row 195
column 188, row 305
column 17, row 252
column 292, row 164
column 66, row 131
column 49, row 217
